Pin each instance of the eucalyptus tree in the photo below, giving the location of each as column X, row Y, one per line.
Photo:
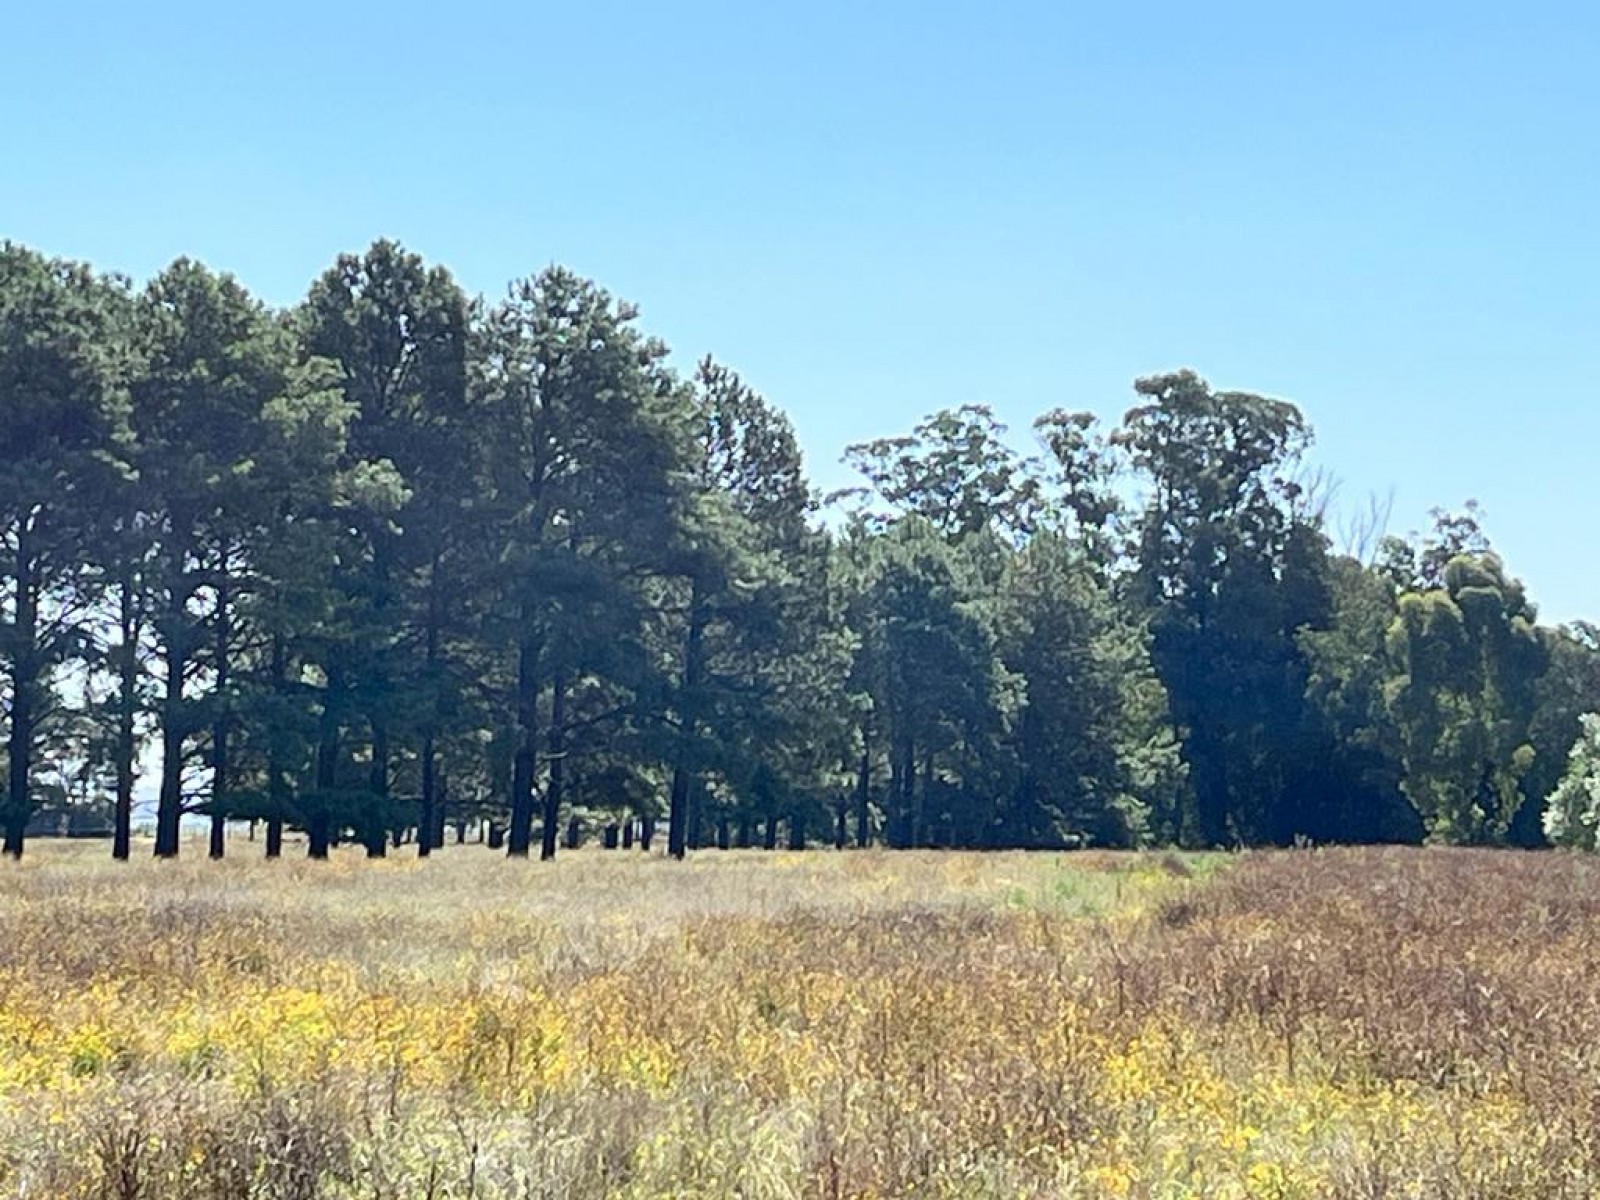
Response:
column 937, row 730
column 63, row 417
column 1572, row 818
column 1569, row 687
column 1230, row 570
column 955, row 471
column 1468, row 659
column 1351, row 789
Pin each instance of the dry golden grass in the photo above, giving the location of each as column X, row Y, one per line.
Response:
column 1327, row 1024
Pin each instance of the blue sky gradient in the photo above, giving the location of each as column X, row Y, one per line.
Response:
column 1385, row 213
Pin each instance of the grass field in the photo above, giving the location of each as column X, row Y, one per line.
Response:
column 1304, row 1024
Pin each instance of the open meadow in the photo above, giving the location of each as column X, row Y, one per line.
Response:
column 1341, row 1023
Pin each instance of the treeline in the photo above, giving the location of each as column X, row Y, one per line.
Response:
column 399, row 558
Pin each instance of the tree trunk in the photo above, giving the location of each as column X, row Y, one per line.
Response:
column 841, row 824
column 683, row 769
column 376, row 836
column 919, row 819
column 219, row 727
column 521, row 832
column 864, row 798
column 647, row 833
column 797, row 831
column 441, row 806
column 277, row 780
column 628, row 834
column 744, row 836
column 769, row 832
column 427, row 815
column 169, row 804
column 723, row 839
column 24, row 679
column 902, row 788
column 426, row 823
column 127, row 713
column 319, row 829
column 558, row 765
column 696, row 821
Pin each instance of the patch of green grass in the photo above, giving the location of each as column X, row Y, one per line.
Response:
column 1100, row 883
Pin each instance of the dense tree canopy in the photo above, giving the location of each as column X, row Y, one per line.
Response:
column 396, row 560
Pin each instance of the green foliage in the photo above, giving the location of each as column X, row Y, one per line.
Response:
column 1097, row 758
column 396, row 558
column 1573, row 816
column 955, row 471
column 1231, row 570
column 1468, row 661
column 63, row 416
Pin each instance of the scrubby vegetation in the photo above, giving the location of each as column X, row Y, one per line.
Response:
column 1344, row 1024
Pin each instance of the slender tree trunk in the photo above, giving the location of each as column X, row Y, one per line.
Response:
column 376, row 837
column 902, row 784
column 127, row 714
column 769, row 831
column 647, row 833
column 277, row 781
column 319, row 827
column 219, row 727
column 841, row 824
column 678, row 809
column 864, row 798
column 427, row 816
column 723, row 837
column 522, row 768
column 797, row 831
column 683, row 772
column 169, row 803
column 745, row 835
column 558, row 764
column 25, row 683
column 696, row 820
column 919, row 824
column 441, row 805
column 426, row 825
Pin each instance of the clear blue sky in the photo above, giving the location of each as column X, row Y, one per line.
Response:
column 1384, row 212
